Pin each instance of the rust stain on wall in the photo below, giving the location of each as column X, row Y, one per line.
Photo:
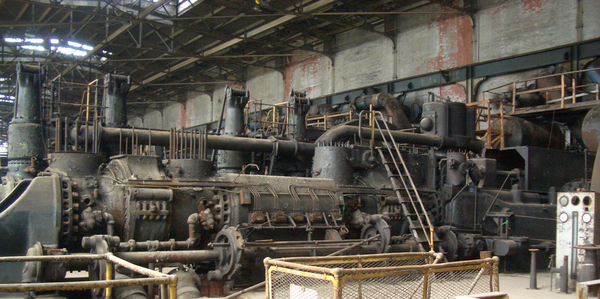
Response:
column 501, row 6
column 455, row 37
column 308, row 70
column 455, row 92
column 533, row 6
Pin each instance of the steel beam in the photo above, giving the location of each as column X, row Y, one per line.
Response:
column 234, row 41
column 112, row 36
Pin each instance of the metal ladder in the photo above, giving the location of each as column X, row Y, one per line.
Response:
column 412, row 206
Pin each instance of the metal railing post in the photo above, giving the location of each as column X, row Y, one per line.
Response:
column 173, row 288
column 496, row 278
column 109, row 275
column 426, row 284
column 514, row 97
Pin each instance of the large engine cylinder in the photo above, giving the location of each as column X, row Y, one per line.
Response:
column 26, row 149
column 521, row 132
column 332, row 162
column 236, row 100
column 115, row 90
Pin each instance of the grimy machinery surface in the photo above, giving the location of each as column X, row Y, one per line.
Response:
column 215, row 205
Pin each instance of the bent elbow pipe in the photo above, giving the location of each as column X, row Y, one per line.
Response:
column 384, row 101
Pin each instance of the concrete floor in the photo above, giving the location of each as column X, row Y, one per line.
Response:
column 516, row 285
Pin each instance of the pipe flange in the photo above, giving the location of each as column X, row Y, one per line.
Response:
column 377, row 226
column 229, row 243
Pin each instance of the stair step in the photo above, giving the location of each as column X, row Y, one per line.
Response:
column 418, row 226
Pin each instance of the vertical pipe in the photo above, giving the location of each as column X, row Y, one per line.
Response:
column 533, row 270
column 120, row 141
column 562, row 91
column 87, row 105
column 85, row 137
column 514, row 96
column 51, row 101
column 574, row 83
column 59, row 97
column 151, row 288
column 150, row 141
column 66, row 134
column 57, row 135
column 163, row 291
column 501, row 127
column 132, row 140
column 96, row 142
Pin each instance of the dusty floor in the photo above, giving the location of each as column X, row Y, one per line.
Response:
column 515, row 285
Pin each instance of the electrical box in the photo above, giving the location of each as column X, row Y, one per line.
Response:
column 575, row 225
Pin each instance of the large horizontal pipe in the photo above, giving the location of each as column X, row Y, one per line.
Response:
column 162, row 138
column 287, row 147
column 341, row 132
column 184, row 256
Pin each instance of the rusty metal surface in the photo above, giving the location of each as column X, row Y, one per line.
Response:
column 188, row 256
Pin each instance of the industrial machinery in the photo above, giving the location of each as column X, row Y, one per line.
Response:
column 215, row 205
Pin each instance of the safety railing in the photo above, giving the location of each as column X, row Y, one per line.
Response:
column 394, row 275
column 566, row 92
column 276, row 119
column 155, row 278
column 488, row 111
column 326, row 121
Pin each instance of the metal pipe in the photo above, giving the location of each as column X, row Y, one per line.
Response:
column 109, row 276
column 184, row 256
column 387, row 102
column 161, row 138
column 141, row 270
column 66, row 134
column 533, row 270
column 79, row 285
column 52, row 258
column 344, row 131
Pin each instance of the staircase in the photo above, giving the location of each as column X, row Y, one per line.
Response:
column 412, row 206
